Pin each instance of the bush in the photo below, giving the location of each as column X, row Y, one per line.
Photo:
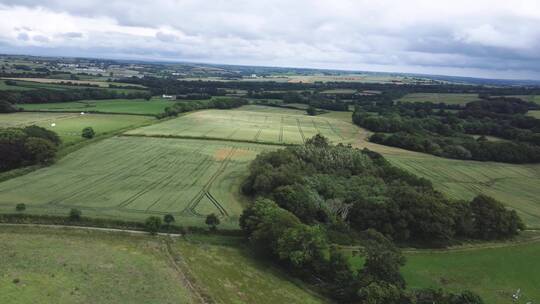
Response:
column 212, row 221
column 152, row 224
column 75, row 214
column 88, row 133
column 20, row 207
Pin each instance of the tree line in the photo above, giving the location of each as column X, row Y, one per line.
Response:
column 50, row 96
column 449, row 133
column 216, row 103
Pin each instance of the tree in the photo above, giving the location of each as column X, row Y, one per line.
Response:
column 212, row 221
column 152, row 224
column 311, row 111
column 39, row 150
column 75, row 214
column 492, row 220
column 302, row 245
column 168, row 219
column 88, row 132
column 20, row 207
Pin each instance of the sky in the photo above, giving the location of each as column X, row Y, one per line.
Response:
column 475, row 38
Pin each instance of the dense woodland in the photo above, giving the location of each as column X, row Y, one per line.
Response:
column 27, row 146
column 51, row 96
column 428, row 128
column 315, row 195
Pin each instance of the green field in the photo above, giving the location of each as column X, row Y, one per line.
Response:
column 494, row 273
column 447, row 98
column 5, row 87
column 69, row 125
column 65, row 267
column 230, row 273
column 77, row 266
column 24, row 84
column 534, row 114
column 134, row 177
column 128, row 106
column 253, row 124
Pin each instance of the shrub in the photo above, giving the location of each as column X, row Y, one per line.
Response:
column 20, row 207
column 88, row 133
column 75, row 214
column 212, row 221
column 152, row 224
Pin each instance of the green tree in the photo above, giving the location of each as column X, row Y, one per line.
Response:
column 75, row 214
column 168, row 219
column 20, row 207
column 39, row 150
column 152, row 224
column 311, row 111
column 88, row 132
column 302, row 245
column 212, row 221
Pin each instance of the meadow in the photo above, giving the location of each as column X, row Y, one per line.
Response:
column 75, row 266
column 134, row 177
column 127, row 106
column 253, row 124
column 493, row 273
column 534, row 114
column 69, row 125
column 447, row 98
column 24, row 84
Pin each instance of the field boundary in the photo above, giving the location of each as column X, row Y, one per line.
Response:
column 90, row 112
column 269, row 143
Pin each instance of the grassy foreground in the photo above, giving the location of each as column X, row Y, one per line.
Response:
column 44, row 265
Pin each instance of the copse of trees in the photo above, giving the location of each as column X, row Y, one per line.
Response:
column 339, row 186
column 50, row 96
column 27, row 146
column 218, row 103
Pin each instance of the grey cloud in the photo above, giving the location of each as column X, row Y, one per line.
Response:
column 23, row 37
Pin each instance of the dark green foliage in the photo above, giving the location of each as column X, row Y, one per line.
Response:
column 168, row 219
column 492, row 221
column 27, row 146
column 430, row 296
column 212, row 221
column 52, row 95
column 6, row 107
column 75, row 214
column 88, row 133
column 20, row 207
column 152, row 224
column 311, row 111
column 415, row 126
column 218, row 103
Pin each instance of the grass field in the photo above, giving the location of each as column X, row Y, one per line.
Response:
column 65, row 267
column 230, row 273
column 534, row 114
column 494, row 273
column 254, row 124
column 5, row 87
column 128, row 106
column 69, row 125
column 77, row 266
column 134, row 177
column 55, row 84
column 447, row 98
column 102, row 84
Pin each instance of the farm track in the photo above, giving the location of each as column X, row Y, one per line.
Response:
column 300, row 130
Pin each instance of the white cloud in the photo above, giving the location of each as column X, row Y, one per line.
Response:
column 478, row 38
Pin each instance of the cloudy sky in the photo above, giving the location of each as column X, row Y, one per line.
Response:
column 493, row 39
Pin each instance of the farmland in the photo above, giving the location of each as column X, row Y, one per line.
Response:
column 493, row 273
column 127, row 106
column 59, row 266
column 69, row 125
column 451, row 99
column 134, row 177
column 253, row 124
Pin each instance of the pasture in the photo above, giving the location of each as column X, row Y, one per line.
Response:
column 493, row 273
column 134, row 177
column 253, row 124
column 447, row 98
column 75, row 266
column 229, row 273
column 153, row 106
column 69, row 125
column 534, row 114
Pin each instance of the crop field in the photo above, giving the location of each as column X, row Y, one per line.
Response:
column 517, row 186
column 6, row 87
column 493, row 273
column 69, row 125
column 534, row 114
column 102, row 84
column 55, row 84
column 127, row 106
column 253, row 124
column 134, row 177
column 230, row 273
column 447, row 98
column 74, row 266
